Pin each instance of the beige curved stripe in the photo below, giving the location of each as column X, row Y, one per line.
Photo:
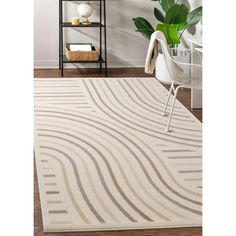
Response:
column 88, row 175
column 73, row 200
column 106, row 121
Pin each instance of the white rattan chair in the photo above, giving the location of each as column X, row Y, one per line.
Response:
column 185, row 75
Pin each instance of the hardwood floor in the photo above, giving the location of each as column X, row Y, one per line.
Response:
column 112, row 72
column 183, row 97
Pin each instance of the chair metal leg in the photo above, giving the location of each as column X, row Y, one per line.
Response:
column 168, row 98
column 172, row 109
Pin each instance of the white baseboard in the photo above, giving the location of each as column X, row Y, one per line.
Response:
column 47, row 64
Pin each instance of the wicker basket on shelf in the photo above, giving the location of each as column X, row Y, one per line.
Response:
column 82, row 55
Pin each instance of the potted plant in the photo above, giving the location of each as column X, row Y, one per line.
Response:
column 173, row 20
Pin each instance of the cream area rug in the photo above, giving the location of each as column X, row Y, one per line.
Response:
column 105, row 162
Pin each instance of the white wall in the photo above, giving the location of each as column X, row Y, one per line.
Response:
column 195, row 31
column 126, row 48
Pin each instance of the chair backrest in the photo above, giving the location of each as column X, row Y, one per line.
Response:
column 173, row 68
column 185, row 74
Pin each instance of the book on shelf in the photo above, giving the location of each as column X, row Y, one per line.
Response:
column 80, row 47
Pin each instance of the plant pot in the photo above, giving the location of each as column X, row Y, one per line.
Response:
column 161, row 72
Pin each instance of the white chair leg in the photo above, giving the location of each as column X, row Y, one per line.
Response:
column 168, row 98
column 172, row 109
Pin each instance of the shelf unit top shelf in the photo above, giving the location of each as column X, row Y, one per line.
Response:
column 93, row 24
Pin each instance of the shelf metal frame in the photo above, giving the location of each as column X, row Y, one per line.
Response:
column 101, row 24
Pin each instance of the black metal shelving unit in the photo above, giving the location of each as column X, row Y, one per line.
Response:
column 101, row 24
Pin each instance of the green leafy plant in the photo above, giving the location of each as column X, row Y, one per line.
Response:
column 176, row 18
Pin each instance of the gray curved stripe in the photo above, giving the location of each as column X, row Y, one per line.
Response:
column 78, row 181
column 176, row 150
column 50, row 175
column 142, row 214
column 132, row 122
column 101, row 178
column 140, row 163
column 151, row 94
column 149, row 105
column 121, row 170
column 57, row 211
column 176, row 114
column 77, row 208
column 50, row 184
column 134, row 112
column 143, row 187
column 158, row 100
column 110, row 128
column 148, row 118
column 95, row 192
column 52, row 192
column 189, row 171
column 119, row 100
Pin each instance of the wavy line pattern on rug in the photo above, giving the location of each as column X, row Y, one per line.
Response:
column 104, row 161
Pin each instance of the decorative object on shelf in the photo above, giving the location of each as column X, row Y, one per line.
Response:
column 92, row 55
column 86, row 10
column 75, row 21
